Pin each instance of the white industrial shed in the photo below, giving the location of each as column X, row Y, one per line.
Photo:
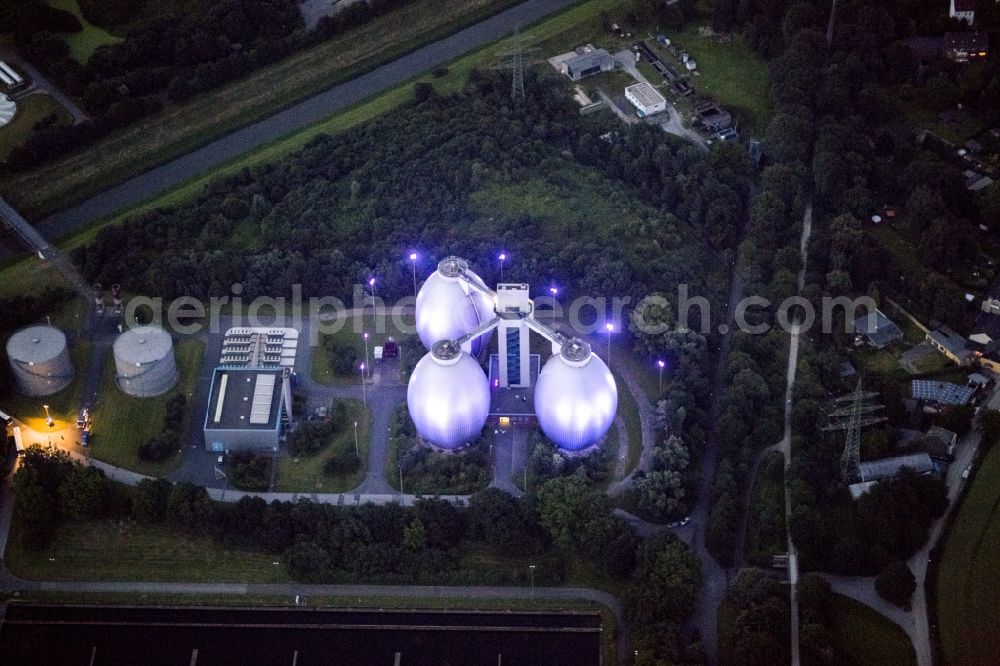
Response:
column 645, row 99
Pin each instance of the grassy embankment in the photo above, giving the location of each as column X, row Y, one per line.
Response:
column 305, row 473
column 968, row 590
column 82, row 44
column 123, row 423
column 30, row 110
column 351, row 336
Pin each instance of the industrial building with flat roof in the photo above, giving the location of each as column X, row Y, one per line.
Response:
column 645, row 99
column 587, row 61
column 246, row 409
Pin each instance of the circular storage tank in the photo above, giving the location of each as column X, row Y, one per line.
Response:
column 144, row 361
column 576, row 397
column 448, row 396
column 447, row 308
column 40, row 360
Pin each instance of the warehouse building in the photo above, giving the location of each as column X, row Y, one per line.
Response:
column 645, row 99
column 587, row 61
column 247, row 409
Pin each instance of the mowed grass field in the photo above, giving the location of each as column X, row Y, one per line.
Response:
column 304, row 474
column 181, row 127
column 30, row 110
column 83, row 44
column 123, row 423
column 968, row 588
column 351, row 335
column 123, row 550
column 731, row 72
column 865, row 638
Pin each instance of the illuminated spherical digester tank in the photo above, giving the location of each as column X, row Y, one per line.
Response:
column 144, row 361
column 576, row 397
column 448, row 396
column 448, row 308
column 40, row 360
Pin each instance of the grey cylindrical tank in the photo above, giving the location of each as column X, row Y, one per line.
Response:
column 144, row 361
column 40, row 360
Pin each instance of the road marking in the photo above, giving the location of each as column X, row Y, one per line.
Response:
column 397, row 660
column 295, row 658
column 194, row 657
column 93, row 655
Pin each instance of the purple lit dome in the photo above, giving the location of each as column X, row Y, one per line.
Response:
column 576, row 397
column 447, row 308
column 448, row 396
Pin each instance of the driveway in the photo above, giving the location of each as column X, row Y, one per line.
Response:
column 670, row 122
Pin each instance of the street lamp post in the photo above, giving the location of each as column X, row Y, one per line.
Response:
column 531, row 574
column 609, row 327
column 357, row 451
column 661, row 365
column 413, row 264
column 365, row 336
column 503, row 258
column 48, row 417
column 364, row 389
column 371, row 283
column 400, row 468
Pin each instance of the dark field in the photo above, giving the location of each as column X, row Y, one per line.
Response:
column 89, row 635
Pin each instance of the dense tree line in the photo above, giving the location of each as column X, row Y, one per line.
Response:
column 424, row 470
column 760, row 630
column 545, row 461
column 165, row 60
column 667, row 489
column 565, row 521
column 340, row 209
column 167, row 442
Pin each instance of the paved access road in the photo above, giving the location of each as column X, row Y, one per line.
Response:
column 147, row 185
column 56, row 635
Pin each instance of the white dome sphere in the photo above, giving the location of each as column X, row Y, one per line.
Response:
column 576, row 397
column 448, row 309
column 448, row 397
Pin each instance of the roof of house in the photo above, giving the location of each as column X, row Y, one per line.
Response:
column 879, row 329
column 885, row 468
column 987, row 324
column 979, row 379
column 949, row 339
column 244, row 399
column 969, row 40
column 942, row 434
column 944, row 393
